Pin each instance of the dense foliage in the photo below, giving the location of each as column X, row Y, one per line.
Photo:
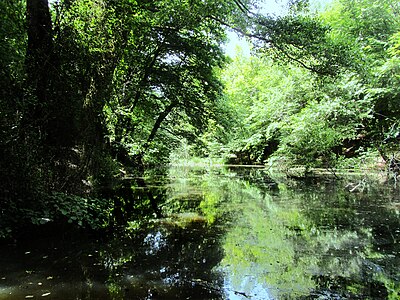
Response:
column 89, row 88
column 316, row 104
column 92, row 90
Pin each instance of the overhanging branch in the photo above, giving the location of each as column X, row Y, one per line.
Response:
column 242, row 7
column 301, row 63
column 274, row 44
column 240, row 31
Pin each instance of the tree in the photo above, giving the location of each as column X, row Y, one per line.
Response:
column 313, row 119
column 304, row 40
column 97, row 80
column 167, row 75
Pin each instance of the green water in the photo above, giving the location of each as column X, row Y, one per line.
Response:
column 226, row 234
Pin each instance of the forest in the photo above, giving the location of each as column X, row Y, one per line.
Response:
column 96, row 91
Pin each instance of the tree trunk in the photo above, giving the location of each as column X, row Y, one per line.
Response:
column 38, row 63
column 49, row 109
column 40, row 47
column 157, row 125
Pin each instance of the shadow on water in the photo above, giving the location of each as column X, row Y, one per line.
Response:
column 223, row 234
column 163, row 261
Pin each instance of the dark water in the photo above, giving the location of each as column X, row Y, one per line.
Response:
column 234, row 234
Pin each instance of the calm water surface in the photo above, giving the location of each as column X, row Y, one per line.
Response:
column 226, row 234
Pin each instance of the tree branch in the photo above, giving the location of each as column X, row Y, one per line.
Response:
column 157, row 125
column 241, row 31
column 147, row 73
column 301, row 63
column 241, row 6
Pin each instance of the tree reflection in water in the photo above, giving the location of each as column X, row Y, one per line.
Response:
column 225, row 234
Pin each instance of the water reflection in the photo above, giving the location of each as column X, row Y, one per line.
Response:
column 305, row 240
column 154, row 241
column 225, row 234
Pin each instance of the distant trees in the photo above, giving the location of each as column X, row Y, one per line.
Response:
column 322, row 88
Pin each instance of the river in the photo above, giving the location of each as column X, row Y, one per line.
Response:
column 237, row 233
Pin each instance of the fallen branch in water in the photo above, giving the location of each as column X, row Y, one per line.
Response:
column 242, row 294
column 207, row 285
